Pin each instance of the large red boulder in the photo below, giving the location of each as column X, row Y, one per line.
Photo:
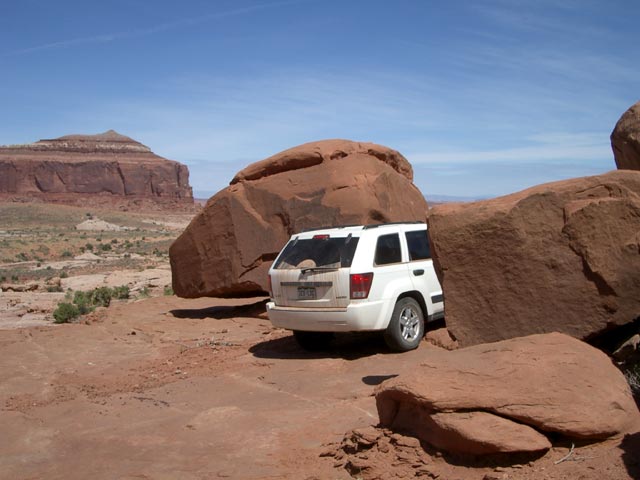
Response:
column 625, row 139
column 563, row 256
column 509, row 396
column 228, row 248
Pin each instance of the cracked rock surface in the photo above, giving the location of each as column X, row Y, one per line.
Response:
column 563, row 256
column 227, row 249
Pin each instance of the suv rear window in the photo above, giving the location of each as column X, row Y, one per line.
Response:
column 418, row 244
column 332, row 252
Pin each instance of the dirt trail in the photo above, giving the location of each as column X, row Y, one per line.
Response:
column 168, row 388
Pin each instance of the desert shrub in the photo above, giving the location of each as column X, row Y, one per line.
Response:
column 105, row 246
column 14, row 278
column 22, row 257
column 144, row 292
column 54, row 288
column 89, row 246
column 64, row 274
column 168, row 290
column 65, row 312
column 3, row 278
column 121, row 292
column 101, row 297
column 66, row 254
column 115, row 240
column 83, row 301
column 632, row 374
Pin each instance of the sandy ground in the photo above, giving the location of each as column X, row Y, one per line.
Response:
column 167, row 388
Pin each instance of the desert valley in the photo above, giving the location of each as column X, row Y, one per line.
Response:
column 135, row 341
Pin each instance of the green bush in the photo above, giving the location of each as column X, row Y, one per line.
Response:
column 121, row 292
column 83, row 301
column 168, row 290
column 89, row 246
column 67, row 254
column 101, row 297
column 64, row 274
column 54, row 288
column 105, row 246
column 65, row 312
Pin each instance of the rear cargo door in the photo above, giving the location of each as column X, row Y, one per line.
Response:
column 314, row 272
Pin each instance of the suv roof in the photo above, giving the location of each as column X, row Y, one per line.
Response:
column 359, row 227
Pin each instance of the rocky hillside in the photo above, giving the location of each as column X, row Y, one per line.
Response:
column 77, row 169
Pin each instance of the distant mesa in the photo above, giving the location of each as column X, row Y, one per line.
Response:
column 108, row 167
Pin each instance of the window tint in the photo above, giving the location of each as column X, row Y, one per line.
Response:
column 388, row 249
column 418, row 244
column 318, row 252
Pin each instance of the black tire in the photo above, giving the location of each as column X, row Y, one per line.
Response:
column 313, row 341
column 406, row 327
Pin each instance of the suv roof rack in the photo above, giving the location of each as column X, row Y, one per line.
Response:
column 364, row 227
column 376, row 225
column 327, row 227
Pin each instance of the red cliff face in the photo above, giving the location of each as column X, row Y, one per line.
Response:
column 93, row 168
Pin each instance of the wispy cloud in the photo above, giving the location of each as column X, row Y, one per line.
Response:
column 141, row 32
column 551, row 147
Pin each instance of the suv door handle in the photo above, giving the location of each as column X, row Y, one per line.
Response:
column 419, row 272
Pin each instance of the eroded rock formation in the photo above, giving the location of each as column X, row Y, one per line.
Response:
column 228, row 248
column 81, row 169
column 508, row 396
column 625, row 139
column 563, row 256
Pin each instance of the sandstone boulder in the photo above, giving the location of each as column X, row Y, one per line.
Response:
column 92, row 169
column 625, row 139
column 228, row 248
column 505, row 396
column 563, row 256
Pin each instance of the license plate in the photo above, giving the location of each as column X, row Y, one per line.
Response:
column 306, row 293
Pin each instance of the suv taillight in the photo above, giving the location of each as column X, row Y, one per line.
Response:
column 360, row 285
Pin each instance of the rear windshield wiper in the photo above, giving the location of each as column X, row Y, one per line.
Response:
column 318, row 269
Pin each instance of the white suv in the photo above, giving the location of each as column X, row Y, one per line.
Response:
column 356, row 278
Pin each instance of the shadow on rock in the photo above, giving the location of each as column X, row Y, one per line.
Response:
column 349, row 346
column 374, row 380
column 631, row 454
column 254, row 310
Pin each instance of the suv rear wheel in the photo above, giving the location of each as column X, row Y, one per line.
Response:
column 406, row 327
column 313, row 341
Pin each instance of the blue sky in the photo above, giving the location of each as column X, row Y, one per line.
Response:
column 483, row 97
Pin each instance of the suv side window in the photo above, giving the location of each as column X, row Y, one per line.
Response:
column 418, row 244
column 388, row 249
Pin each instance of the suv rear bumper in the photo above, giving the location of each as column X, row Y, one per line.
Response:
column 363, row 316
